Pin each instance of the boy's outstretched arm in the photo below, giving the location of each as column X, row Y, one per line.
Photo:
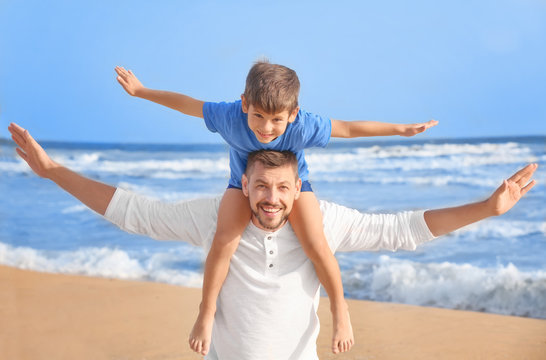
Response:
column 352, row 129
column 183, row 103
column 443, row 221
column 94, row 194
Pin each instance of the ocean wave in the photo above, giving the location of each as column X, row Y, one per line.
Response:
column 433, row 180
column 160, row 193
column 103, row 262
column 502, row 290
column 502, row 228
column 448, row 162
column 434, row 150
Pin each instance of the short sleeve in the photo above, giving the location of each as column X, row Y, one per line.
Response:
column 219, row 117
column 315, row 129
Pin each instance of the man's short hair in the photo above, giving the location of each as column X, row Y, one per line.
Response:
column 273, row 88
column 271, row 159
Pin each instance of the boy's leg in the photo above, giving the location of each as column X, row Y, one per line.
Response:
column 306, row 220
column 233, row 218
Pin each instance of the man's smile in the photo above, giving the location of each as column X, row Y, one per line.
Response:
column 269, row 210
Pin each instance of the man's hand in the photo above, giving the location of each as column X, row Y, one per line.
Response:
column 443, row 221
column 414, row 129
column 511, row 190
column 31, row 151
column 94, row 194
column 129, row 81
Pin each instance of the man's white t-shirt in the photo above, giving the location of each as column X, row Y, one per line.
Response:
column 267, row 308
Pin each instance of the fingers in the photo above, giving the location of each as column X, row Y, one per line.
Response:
column 528, row 187
column 122, row 82
column 420, row 129
column 123, row 73
column 22, row 154
column 522, row 176
column 18, row 140
column 15, row 129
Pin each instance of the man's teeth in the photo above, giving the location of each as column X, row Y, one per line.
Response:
column 270, row 210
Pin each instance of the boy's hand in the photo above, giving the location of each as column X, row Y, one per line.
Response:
column 129, row 81
column 31, row 151
column 414, row 129
column 511, row 190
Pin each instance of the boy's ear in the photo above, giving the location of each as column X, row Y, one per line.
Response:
column 244, row 183
column 293, row 115
column 244, row 104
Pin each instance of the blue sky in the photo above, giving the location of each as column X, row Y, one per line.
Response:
column 476, row 66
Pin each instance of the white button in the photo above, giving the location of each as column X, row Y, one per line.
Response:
column 269, row 237
column 270, row 265
column 271, row 252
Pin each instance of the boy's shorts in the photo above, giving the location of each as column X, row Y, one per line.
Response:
column 305, row 186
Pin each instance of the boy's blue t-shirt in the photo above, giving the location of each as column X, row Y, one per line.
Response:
column 229, row 120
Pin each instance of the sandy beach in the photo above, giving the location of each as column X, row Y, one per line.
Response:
column 49, row 316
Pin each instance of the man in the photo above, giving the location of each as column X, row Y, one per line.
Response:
column 267, row 306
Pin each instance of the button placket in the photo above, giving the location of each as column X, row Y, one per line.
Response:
column 271, row 254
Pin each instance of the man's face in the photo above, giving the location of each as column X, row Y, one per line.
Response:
column 267, row 127
column 271, row 193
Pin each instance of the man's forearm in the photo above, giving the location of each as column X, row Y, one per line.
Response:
column 94, row 194
column 443, row 221
column 179, row 102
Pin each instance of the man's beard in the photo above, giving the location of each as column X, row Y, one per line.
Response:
column 263, row 223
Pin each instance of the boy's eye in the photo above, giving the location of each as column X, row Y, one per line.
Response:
column 258, row 115
column 277, row 120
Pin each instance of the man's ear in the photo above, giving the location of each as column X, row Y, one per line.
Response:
column 244, row 104
column 244, row 183
column 293, row 115
column 298, row 189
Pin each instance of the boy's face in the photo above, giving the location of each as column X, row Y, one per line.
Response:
column 267, row 127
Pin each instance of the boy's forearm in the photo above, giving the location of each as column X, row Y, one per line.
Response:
column 352, row 129
column 443, row 221
column 179, row 102
column 93, row 194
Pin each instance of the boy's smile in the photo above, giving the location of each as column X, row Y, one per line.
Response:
column 267, row 127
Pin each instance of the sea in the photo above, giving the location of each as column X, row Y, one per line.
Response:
column 495, row 266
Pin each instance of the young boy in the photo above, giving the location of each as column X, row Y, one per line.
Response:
column 268, row 116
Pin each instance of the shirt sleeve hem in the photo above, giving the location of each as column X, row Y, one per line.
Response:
column 419, row 228
column 120, row 200
column 206, row 117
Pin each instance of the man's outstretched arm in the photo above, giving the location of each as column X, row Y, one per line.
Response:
column 94, row 194
column 443, row 221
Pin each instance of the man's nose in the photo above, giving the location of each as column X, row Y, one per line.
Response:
column 272, row 196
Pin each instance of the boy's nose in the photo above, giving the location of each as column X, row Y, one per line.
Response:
column 267, row 127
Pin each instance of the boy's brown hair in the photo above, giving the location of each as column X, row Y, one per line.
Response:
column 272, row 87
column 271, row 159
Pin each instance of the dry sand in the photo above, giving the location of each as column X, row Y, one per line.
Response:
column 46, row 316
